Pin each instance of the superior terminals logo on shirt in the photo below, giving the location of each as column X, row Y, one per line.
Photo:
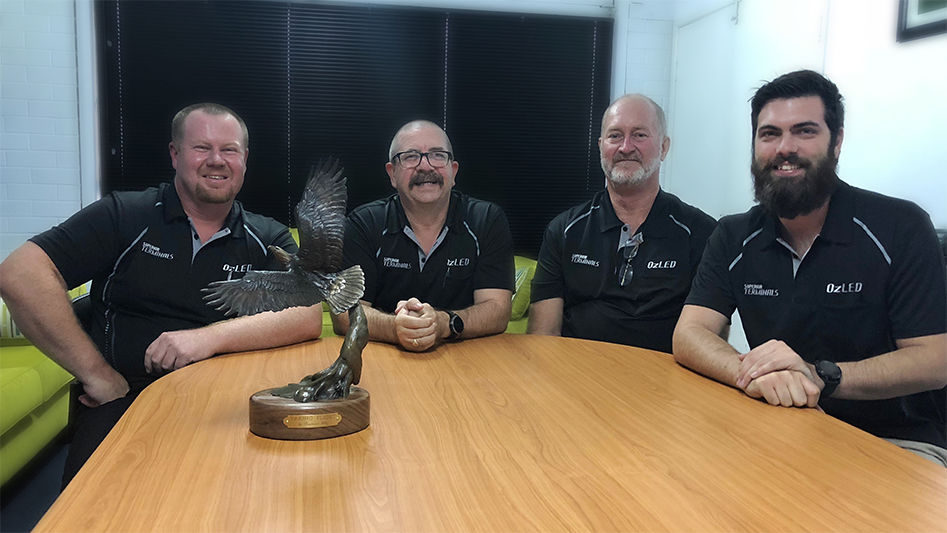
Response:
column 755, row 289
column 394, row 262
column 584, row 260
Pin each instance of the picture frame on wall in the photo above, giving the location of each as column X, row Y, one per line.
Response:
column 921, row 18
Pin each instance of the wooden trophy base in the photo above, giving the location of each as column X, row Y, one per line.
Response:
column 274, row 417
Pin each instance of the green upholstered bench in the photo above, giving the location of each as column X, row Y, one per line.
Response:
column 34, row 398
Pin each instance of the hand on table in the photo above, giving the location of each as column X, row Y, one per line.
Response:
column 176, row 349
column 415, row 325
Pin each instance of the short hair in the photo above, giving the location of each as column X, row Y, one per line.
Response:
column 415, row 124
column 658, row 112
column 177, row 124
column 798, row 84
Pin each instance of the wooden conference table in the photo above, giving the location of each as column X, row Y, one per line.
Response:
column 507, row 433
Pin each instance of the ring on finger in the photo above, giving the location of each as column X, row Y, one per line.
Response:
column 415, row 342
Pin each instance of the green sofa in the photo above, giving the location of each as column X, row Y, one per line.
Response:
column 34, row 398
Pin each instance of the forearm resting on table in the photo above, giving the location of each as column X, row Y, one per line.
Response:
column 699, row 345
column 381, row 325
column 919, row 364
column 545, row 317
column 489, row 314
column 264, row 330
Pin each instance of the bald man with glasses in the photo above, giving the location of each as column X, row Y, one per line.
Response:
column 438, row 264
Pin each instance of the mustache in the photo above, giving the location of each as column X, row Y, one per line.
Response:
column 792, row 159
column 630, row 157
column 425, row 176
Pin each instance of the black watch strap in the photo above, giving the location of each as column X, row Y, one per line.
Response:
column 831, row 375
column 456, row 325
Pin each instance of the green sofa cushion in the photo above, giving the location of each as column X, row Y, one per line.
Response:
column 525, row 268
column 21, row 391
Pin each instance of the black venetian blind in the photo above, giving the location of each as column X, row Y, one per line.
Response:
column 521, row 96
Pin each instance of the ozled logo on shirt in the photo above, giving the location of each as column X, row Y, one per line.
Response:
column 755, row 289
column 394, row 262
column 843, row 288
column 458, row 262
column 661, row 264
column 230, row 269
column 151, row 249
column 583, row 259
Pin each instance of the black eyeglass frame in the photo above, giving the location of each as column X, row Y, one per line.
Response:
column 628, row 253
column 423, row 155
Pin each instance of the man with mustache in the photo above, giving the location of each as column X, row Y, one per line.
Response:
column 438, row 264
column 148, row 255
column 841, row 290
column 618, row 268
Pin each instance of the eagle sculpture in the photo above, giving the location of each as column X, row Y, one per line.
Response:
column 312, row 276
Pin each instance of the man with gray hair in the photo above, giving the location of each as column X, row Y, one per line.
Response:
column 438, row 264
column 618, row 267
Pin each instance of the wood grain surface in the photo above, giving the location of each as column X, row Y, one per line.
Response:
column 507, row 433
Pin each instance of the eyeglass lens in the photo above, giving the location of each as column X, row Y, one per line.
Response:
column 436, row 159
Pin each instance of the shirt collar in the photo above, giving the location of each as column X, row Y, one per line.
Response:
column 650, row 228
column 172, row 209
column 397, row 220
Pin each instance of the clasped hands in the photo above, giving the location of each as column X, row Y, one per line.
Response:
column 416, row 325
column 774, row 372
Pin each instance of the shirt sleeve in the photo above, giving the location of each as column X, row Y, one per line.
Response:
column 917, row 290
column 357, row 249
column 88, row 244
column 548, row 281
column 495, row 267
column 712, row 287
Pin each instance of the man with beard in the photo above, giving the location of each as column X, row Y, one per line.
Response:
column 618, row 267
column 841, row 291
column 148, row 255
column 438, row 264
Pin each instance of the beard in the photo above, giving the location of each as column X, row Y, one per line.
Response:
column 618, row 176
column 214, row 196
column 790, row 197
column 425, row 176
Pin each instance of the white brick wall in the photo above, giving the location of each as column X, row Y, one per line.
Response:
column 39, row 118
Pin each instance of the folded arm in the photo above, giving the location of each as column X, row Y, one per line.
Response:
column 417, row 326
column 699, row 344
column 918, row 364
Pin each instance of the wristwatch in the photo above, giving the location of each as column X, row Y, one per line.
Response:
column 831, row 374
column 456, row 325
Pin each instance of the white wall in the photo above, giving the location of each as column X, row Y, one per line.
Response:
column 895, row 105
column 895, row 93
column 39, row 126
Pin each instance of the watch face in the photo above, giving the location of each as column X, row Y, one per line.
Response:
column 829, row 371
column 456, row 324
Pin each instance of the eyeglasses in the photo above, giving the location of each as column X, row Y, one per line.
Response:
column 628, row 252
column 412, row 158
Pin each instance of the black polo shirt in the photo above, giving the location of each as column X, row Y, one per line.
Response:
column 475, row 251
column 148, row 267
column 580, row 260
column 873, row 275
